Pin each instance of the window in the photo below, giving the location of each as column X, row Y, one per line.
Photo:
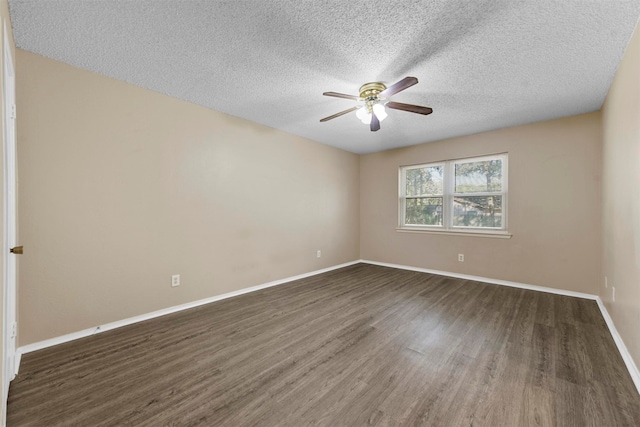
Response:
column 455, row 195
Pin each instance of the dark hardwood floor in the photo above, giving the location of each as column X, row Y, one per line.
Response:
column 363, row 345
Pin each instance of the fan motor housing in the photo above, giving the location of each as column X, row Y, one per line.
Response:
column 370, row 91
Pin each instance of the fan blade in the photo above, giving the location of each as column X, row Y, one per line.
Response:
column 341, row 113
column 409, row 107
column 398, row 87
column 341, row 95
column 375, row 123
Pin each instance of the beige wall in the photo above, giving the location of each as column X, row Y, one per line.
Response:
column 554, row 207
column 621, row 198
column 122, row 187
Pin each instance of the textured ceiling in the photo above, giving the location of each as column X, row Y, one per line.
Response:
column 482, row 64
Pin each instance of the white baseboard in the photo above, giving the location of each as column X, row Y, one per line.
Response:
column 16, row 362
column 117, row 324
column 626, row 356
column 487, row 280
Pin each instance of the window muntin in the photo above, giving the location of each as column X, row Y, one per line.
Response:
column 455, row 195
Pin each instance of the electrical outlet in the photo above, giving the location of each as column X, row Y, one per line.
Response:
column 613, row 293
column 461, row 257
column 175, row 280
column 606, row 282
column 318, row 254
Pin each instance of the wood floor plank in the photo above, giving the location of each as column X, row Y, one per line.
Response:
column 361, row 345
column 538, row 407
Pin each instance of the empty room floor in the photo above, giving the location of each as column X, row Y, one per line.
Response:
column 361, row 345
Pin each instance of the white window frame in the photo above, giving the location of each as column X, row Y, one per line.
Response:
column 448, row 198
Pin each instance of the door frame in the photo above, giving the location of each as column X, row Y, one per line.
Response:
column 9, row 226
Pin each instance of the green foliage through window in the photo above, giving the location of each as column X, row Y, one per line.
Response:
column 478, row 177
column 424, row 211
column 426, row 181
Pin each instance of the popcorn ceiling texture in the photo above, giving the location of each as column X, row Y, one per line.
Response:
column 482, row 64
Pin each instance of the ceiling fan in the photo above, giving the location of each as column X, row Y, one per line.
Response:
column 373, row 99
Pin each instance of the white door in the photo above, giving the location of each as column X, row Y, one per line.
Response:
column 9, row 147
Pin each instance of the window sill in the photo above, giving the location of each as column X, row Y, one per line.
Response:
column 468, row 233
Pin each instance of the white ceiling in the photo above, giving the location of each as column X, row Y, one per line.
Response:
column 482, row 64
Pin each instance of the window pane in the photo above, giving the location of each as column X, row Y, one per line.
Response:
column 424, row 211
column 474, row 211
column 475, row 177
column 424, row 181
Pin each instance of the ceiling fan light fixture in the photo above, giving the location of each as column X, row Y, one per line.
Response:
column 380, row 111
column 364, row 115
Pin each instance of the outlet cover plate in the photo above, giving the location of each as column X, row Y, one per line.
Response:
column 175, row 280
